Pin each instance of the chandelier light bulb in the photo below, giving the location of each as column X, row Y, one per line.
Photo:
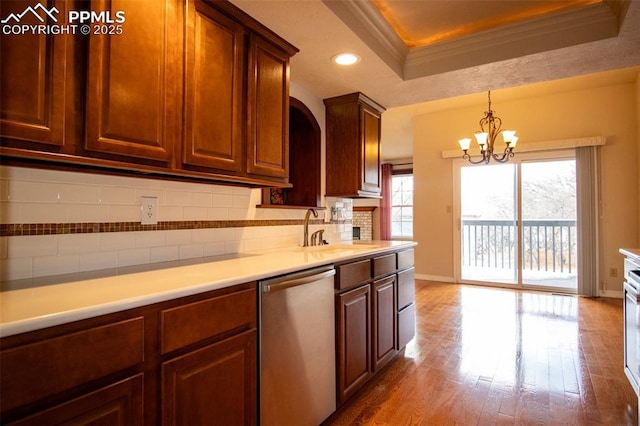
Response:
column 464, row 144
column 508, row 135
column 481, row 137
column 490, row 128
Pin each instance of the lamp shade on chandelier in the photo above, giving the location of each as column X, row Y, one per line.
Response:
column 490, row 128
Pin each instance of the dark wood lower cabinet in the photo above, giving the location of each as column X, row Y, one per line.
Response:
column 384, row 321
column 354, row 343
column 375, row 316
column 406, row 306
column 119, row 404
column 406, row 325
column 189, row 361
column 214, row 385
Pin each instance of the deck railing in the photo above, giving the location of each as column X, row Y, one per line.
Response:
column 548, row 245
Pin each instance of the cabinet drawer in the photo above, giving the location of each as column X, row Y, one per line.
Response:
column 406, row 288
column 117, row 404
column 353, row 274
column 384, row 265
column 406, row 325
column 38, row 370
column 187, row 324
column 405, row 259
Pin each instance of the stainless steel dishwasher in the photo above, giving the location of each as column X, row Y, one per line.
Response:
column 297, row 348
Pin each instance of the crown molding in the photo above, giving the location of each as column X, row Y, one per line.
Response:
column 591, row 23
column 362, row 17
column 570, row 28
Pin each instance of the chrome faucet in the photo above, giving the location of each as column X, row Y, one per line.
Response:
column 316, row 238
column 305, row 242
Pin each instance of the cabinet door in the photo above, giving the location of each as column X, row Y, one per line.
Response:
column 134, row 79
column 383, row 328
column 214, row 84
column 370, row 150
column 268, row 111
column 406, row 325
column 120, row 404
column 353, row 340
column 33, row 79
column 215, row 385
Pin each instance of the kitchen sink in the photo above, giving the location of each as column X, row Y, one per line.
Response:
column 336, row 248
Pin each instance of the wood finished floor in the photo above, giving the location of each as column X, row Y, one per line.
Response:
column 486, row 356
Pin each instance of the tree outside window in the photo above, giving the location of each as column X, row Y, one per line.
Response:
column 402, row 206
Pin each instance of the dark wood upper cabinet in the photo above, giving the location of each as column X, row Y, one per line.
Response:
column 134, row 91
column 237, row 94
column 214, row 88
column 353, row 146
column 193, row 89
column 37, row 100
column 268, row 110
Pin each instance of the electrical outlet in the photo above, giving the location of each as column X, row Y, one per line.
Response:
column 149, row 211
column 613, row 272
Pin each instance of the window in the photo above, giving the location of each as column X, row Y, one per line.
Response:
column 402, row 206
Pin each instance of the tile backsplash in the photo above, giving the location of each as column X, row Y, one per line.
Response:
column 364, row 220
column 228, row 220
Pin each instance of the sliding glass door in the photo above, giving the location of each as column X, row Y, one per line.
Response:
column 488, row 223
column 518, row 223
column 549, row 233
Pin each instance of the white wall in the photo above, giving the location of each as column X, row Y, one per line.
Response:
column 609, row 111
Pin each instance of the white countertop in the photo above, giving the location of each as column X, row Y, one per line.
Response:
column 37, row 307
column 631, row 252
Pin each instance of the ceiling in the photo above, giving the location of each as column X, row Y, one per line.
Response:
column 419, row 23
column 417, row 51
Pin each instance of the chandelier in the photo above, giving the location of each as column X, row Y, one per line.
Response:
column 486, row 137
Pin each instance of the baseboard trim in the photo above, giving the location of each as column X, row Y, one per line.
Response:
column 435, row 278
column 612, row 294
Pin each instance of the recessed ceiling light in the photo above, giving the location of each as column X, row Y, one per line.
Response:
column 346, row 59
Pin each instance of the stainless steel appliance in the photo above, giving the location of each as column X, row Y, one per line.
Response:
column 297, row 348
column 632, row 327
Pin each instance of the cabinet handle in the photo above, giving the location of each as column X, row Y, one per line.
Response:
column 284, row 282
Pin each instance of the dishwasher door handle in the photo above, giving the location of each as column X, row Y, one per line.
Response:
column 294, row 282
